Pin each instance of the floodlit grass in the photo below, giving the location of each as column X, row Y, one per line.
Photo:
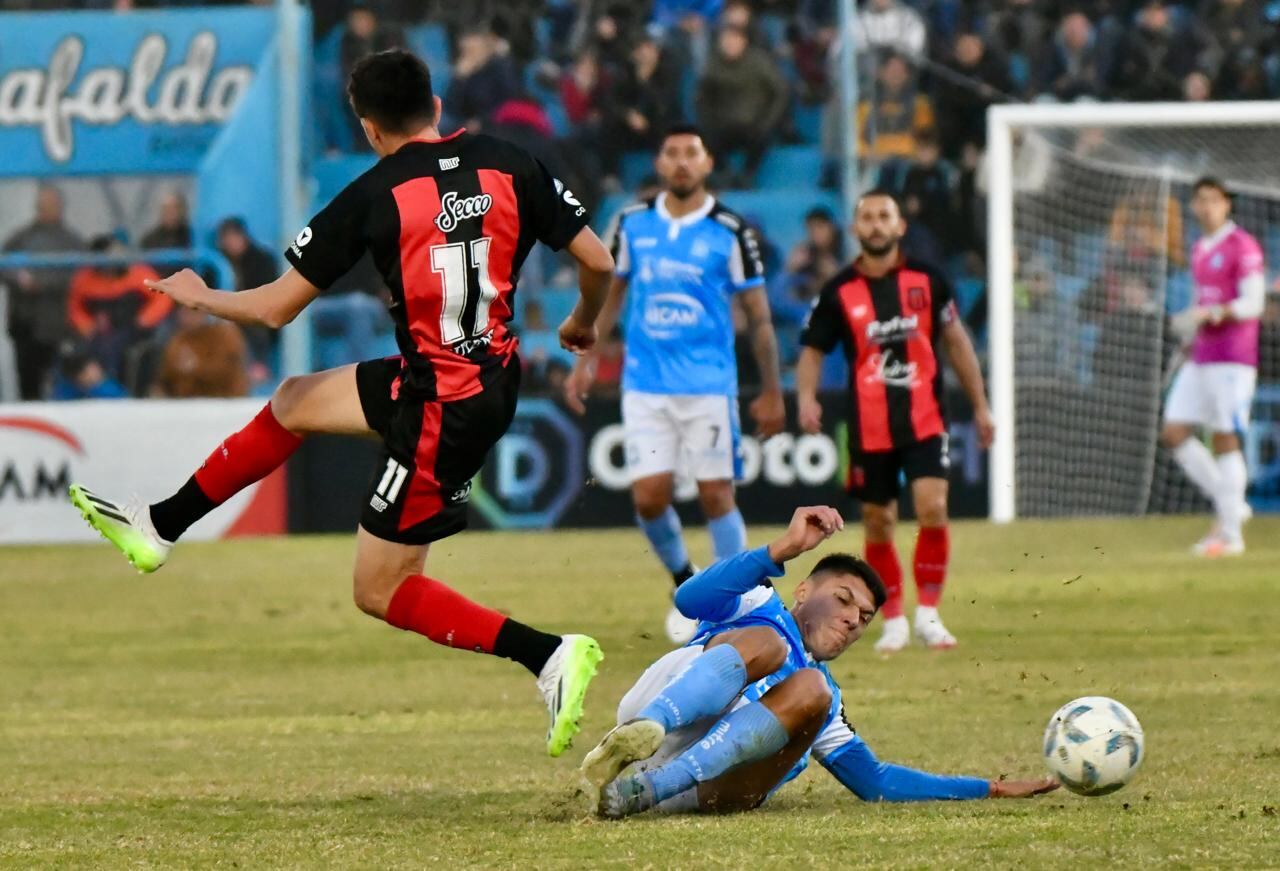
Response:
column 235, row 709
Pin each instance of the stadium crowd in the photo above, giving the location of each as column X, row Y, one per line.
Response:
column 589, row 85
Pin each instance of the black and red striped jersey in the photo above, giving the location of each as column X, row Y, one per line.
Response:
column 890, row 328
column 448, row 223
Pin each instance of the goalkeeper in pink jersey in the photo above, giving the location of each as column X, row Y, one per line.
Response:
column 1213, row 389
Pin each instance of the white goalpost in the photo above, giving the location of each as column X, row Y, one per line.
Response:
column 1088, row 252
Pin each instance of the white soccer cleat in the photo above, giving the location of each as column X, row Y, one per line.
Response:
column 1218, row 544
column 631, row 742
column 930, row 630
column 680, row 629
column 127, row 526
column 895, row 637
column 563, row 684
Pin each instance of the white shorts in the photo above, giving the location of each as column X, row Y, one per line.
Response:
column 1213, row 395
column 699, row 435
column 655, row 680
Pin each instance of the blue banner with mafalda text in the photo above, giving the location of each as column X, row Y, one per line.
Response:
column 133, row 92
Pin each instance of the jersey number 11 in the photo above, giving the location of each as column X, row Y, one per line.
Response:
column 450, row 262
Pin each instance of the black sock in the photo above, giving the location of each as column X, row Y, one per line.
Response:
column 174, row 515
column 683, row 575
column 525, row 645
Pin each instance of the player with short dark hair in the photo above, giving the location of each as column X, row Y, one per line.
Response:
column 891, row 314
column 684, row 261
column 1214, row 388
column 448, row 220
column 721, row 724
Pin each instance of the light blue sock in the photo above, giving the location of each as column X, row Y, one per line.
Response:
column 666, row 538
column 706, row 688
column 748, row 734
column 728, row 534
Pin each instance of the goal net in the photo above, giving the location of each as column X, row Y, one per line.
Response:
column 1090, row 240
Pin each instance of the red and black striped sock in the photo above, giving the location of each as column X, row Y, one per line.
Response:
column 428, row 607
column 883, row 557
column 243, row 458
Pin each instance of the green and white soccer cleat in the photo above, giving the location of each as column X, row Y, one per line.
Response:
column 563, row 684
column 126, row 526
column 630, row 742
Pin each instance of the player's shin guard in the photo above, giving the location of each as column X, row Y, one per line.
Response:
column 704, row 689
column 428, row 607
column 933, row 550
column 243, row 458
column 1233, row 480
column 746, row 735
column 666, row 537
column 883, row 557
column 728, row 534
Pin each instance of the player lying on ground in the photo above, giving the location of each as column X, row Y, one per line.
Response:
column 720, row 724
column 448, row 222
column 1214, row 389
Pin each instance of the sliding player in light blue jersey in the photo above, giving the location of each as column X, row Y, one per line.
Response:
column 720, row 724
column 682, row 262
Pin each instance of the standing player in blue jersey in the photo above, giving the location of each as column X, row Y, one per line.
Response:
column 721, row 724
column 682, row 261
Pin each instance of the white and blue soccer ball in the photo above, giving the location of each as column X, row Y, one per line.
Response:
column 1094, row 745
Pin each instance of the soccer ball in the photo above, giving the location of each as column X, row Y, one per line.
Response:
column 1094, row 745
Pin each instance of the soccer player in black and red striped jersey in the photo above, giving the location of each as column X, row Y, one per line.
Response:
column 891, row 314
column 448, row 221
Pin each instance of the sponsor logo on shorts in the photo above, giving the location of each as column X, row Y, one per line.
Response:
column 462, row 494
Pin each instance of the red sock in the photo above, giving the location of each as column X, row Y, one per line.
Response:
column 246, row 456
column 933, row 549
column 428, row 607
column 883, row 557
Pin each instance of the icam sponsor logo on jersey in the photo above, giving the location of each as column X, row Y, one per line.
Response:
column 454, row 209
column 665, row 314
column 105, row 95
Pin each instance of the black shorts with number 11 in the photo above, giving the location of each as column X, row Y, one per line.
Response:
column 431, row 450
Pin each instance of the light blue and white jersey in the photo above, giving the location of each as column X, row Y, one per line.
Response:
column 681, row 276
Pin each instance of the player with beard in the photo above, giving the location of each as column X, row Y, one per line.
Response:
column 891, row 314
column 682, row 261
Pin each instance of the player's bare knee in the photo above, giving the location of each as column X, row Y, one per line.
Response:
column 372, row 589
column 715, row 498
column 286, row 399
column 932, row 511
column 808, row 693
column 878, row 521
column 650, row 502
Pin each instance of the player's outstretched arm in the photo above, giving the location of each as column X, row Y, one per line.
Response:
column 808, row 373
column 272, row 305
column 767, row 409
column 595, row 268
column 809, row 527
column 965, row 361
column 858, row 769
column 578, row 384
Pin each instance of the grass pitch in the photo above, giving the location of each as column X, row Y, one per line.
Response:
column 235, row 710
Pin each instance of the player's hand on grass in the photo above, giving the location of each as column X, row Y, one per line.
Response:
column 1022, row 788
column 986, row 427
column 576, row 336
column 183, row 287
column 770, row 413
column 810, row 527
column 578, row 384
column 810, row 413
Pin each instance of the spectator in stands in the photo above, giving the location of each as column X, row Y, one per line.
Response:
column 889, row 26
column 204, row 357
column 1138, row 233
column 638, row 108
column 483, row 79
column 889, row 121
column 1046, row 326
column 38, row 297
column 684, row 27
column 962, row 104
column 582, row 91
column 253, row 266
column 1158, row 53
column 926, row 190
column 1236, row 25
column 1077, row 62
column 1019, row 30
column 80, row 375
column 1244, row 76
column 364, row 35
column 1196, row 88
column 739, row 14
column 112, row 310
column 809, row 265
column 173, row 230
column 741, row 98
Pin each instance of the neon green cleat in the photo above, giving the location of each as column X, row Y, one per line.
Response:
column 563, row 684
column 128, row 527
column 630, row 742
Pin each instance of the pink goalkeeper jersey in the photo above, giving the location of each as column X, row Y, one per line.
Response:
column 1218, row 264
